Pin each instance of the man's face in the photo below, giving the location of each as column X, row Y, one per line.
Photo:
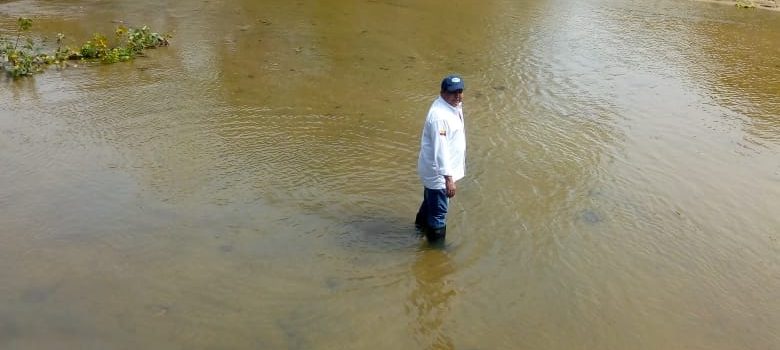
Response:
column 453, row 98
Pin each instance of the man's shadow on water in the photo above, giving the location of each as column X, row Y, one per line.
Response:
column 380, row 233
column 383, row 233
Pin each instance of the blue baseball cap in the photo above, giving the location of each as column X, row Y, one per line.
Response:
column 452, row 83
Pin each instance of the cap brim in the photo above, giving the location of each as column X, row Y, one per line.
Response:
column 456, row 87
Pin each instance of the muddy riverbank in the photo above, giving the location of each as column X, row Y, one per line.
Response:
column 772, row 5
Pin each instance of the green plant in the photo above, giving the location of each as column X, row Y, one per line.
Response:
column 745, row 4
column 16, row 60
column 139, row 39
column 24, row 24
column 26, row 60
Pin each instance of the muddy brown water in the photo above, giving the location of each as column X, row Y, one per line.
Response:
column 253, row 185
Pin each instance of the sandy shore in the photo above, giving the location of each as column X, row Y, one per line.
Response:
column 773, row 5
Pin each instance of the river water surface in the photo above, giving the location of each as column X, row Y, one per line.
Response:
column 253, row 185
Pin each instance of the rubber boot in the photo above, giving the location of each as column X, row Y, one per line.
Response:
column 419, row 221
column 436, row 236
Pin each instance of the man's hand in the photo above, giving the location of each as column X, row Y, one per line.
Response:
column 450, row 186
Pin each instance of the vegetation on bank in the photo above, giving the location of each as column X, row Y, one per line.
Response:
column 773, row 5
column 20, row 55
column 750, row 4
column 745, row 4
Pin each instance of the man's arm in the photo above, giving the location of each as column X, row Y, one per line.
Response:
column 442, row 150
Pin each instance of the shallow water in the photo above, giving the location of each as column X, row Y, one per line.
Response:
column 253, row 185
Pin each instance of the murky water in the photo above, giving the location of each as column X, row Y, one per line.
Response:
column 253, row 185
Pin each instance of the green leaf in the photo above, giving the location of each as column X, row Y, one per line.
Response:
column 24, row 24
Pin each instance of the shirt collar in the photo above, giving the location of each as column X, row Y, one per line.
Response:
column 455, row 109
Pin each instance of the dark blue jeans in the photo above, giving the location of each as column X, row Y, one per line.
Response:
column 433, row 210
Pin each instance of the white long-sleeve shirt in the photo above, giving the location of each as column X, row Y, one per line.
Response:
column 442, row 145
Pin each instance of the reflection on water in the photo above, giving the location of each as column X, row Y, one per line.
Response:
column 430, row 300
column 253, row 185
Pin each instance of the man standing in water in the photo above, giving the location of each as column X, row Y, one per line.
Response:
column 442, row 159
